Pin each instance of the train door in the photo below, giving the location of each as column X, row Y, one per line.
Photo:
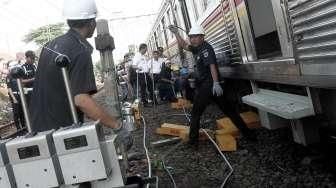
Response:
column 265, row 32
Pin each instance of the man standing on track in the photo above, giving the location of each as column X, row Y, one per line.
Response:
column 140, row 62
column 208, row 87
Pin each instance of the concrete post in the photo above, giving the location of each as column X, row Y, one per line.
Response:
column 105, row 44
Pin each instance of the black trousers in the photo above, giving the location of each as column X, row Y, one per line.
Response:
column 156, row 78
column 145, row 84
column 18, row 115
column 28, row 97
column 202, row 98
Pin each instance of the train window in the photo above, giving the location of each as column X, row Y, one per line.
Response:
column 265, row 31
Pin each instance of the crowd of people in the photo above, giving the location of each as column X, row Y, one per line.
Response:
column 29, row 69
column 150, row 77
column 154, row 78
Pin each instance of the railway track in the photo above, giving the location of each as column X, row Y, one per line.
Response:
column 9, row 130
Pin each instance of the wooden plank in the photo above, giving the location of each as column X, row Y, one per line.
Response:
column 137, row 114
column 234, row 133
column 226, row 142
column 175, row 105
column 171, row 129
column 168, row 131
column 174, row 126
column 184, row 135
column 226, row 126
column 181, row 103
column 184, row 102
column 251, row 119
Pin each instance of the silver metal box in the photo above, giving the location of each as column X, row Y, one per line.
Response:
column 33, row 161
column 6, row 172
column 79, row 153
column 117, row 159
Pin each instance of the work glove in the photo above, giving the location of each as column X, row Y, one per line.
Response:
column 173, row 29
column 125, row 136
column 217, row 89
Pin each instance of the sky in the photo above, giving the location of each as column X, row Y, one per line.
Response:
column 18, row 17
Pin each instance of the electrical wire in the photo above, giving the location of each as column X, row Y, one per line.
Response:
column 157, row 181
column 132, row 17
column 223, row 156
column 164, row 165
column 183, row 107
column 169, row 174
column 51, row 50
column 213, row 142
column 146, row 150
column 147, row 155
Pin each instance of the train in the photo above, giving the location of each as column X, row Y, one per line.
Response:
column 280, row 55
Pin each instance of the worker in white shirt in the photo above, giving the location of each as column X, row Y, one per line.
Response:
column 155, row 67
column 141, row 63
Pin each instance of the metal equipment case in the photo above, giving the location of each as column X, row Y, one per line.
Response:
column 6, row 172
column 80, row 154
column 33, row 161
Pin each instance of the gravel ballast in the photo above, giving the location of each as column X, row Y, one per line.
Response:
column 273, row 161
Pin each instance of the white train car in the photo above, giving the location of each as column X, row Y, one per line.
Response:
column 284, row 49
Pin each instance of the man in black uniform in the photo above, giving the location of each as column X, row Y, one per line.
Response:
column 51, row 107
column 132, row 75
column 208, row 86
column 29, row 69
column 14, row 97
column 166, row 83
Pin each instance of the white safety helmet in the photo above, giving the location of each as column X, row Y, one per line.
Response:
column 79, row 9
column 196, row 30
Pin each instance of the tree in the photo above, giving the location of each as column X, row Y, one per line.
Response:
column 44, row 34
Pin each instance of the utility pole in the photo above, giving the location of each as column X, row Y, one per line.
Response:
column 105, row 44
